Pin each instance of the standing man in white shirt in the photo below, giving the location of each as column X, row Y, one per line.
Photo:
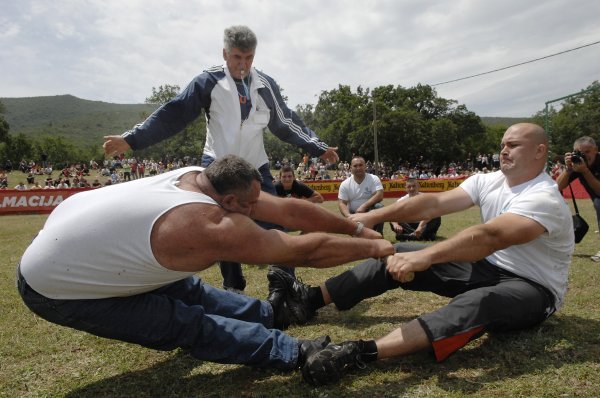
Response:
column 360, row 192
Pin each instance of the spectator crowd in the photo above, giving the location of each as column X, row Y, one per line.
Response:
column 122, row 169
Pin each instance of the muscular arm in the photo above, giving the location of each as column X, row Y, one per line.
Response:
column 376, row 198
column 343, row 206
column 315, row 197
column 472, row 244
column 422, row 207
column 193, row 237
column 298, row 214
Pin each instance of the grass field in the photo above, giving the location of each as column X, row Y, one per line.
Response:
column 560, row 358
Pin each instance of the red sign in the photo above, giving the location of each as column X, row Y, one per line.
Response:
column 13, row 201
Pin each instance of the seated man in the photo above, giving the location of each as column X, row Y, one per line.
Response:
column 361, row 192
column 508, row 273
column 422, row 230
column 289, row 187
column 130, row 276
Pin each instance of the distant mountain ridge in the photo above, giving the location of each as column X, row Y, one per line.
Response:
column 85, row 122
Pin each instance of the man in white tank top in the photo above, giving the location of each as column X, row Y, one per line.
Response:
column 130, row 274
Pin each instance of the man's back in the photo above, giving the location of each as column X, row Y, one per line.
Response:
column 114, row 257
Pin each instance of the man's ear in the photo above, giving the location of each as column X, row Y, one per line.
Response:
column 229, row 202
column 541, row 151
column 225, row 54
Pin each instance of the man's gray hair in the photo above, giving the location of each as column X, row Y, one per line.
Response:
column 585, row 140
column 239, row 36
column 230, row 174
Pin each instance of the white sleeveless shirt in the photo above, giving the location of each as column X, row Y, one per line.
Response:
column 96, row 244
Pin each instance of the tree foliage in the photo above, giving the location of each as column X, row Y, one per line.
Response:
column 409, row 123
column 578, row 116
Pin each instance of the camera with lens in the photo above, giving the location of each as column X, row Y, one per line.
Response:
column 577, row 157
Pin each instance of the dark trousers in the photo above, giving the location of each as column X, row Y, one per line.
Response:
column 429, row 233
column 484, row 298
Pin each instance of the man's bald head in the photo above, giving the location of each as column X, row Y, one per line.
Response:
column 532, row 131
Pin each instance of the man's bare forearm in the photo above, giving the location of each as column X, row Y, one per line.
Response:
column 472, row 244
column 321, row 250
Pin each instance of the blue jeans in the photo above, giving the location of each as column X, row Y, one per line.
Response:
column 233, row 276
column 213, row 324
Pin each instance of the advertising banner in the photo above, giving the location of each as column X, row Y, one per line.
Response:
column 391, row 188
column 13, row 201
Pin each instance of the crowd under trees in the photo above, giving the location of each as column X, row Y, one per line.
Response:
column 411, row 123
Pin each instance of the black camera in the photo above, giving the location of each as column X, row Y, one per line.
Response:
column 577, row 157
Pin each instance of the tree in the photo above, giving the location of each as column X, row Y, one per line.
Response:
column 579, row 116
column 4, row 127
column 411, row 123
column 59, row 151
column 19, row 147
column 163, row 94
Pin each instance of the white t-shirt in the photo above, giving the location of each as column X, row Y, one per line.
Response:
column 546, row 259
column 357, row 194
column 84, row 252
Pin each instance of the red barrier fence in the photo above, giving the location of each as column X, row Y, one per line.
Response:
column 578, row 190
column 13, row 201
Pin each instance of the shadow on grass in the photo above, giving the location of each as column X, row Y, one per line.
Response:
column 179, row 376
column 559, row 341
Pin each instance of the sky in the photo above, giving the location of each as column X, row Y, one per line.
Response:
column 118, row 50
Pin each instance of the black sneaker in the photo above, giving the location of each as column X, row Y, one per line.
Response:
column 281, row 313
column 332, row 362
column 296, row 294
column 308, row 347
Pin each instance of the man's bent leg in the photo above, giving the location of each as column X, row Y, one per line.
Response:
column 162, row 322
column 408, row 338
column 368, row 279
column 512, row 304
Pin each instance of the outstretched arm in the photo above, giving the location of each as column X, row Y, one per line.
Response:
column 472, row 244
column 319, row 250
column 298, row 214
column 192, row 238
column 422, row 207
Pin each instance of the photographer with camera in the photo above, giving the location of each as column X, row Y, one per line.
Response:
column 584, row 164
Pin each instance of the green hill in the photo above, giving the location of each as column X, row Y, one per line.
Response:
column 84, row 122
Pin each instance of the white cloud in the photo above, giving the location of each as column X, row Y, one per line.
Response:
column 116, row 51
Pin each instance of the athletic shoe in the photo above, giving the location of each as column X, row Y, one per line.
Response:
column 332, row 362
column 296, row 294
column 281, row 313
column 595, row 257
column 308, row 347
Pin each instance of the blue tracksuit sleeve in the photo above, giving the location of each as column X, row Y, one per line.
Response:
column 174, row 116
column 286, row 124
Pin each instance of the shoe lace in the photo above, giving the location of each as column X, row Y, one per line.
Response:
column 359, row 362
column 353, row 358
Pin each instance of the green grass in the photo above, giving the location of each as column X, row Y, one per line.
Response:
column 560, row 358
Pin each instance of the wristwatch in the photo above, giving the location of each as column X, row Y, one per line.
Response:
column 359, row 227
